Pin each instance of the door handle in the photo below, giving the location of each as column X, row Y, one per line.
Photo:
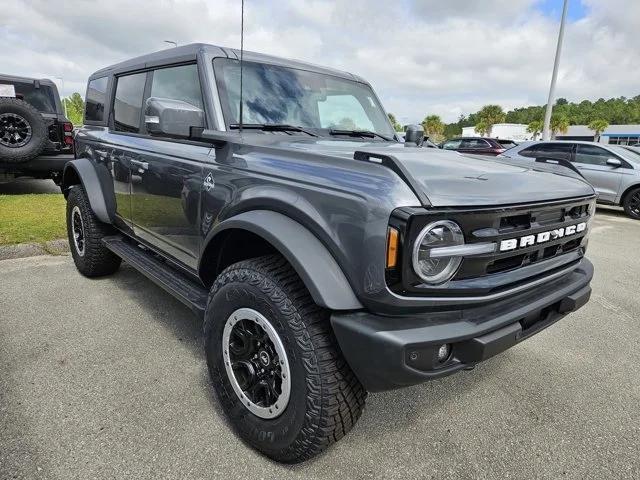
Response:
column 142, row 166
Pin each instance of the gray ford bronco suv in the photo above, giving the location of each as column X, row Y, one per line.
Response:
column 325, row 257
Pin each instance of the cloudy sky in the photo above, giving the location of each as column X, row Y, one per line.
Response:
column 447, row 57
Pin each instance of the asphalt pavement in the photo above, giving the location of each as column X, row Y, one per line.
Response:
column 107, row 379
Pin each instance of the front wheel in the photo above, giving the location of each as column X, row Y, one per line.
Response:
column 631, row 203
column 275, row 363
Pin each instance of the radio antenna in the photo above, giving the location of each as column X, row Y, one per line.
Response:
column 241, row 58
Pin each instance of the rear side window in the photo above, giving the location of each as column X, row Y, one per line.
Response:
column 41, row 98
column 127, row 105
column 178, row 83
column 556, row 151
column 529, row 152
column 96, row 94
column 474, row 143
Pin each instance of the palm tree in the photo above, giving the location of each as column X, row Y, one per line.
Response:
column 489, row 115
column 396, row 126
column 598, row 125
column 433, row 127
column 482, row 128
column 559, row 124
column 535, row 128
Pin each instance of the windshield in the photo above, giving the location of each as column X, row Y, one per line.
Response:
column 281, row 95
column 629, row 152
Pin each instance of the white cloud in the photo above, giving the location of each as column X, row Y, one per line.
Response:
column 422, row 56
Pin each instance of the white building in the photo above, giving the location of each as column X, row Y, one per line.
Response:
column 614, row 134
column 507, row 131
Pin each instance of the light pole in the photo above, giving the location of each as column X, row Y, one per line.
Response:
column 175, row 44
column 554, row 76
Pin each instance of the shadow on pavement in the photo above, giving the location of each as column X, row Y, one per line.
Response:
column 21, row 186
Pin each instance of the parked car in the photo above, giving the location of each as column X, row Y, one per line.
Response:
column 478, row 145
column 36, row 139
column 326, row 258
column 613, row 170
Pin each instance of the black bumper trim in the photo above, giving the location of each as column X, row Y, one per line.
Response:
column 388, row 352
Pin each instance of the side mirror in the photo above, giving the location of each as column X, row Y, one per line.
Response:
column 172, row 118
column 414, row 136
column 614, row 162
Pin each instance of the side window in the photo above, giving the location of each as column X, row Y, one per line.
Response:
column 96, row 94
column 592, row 155
column 178, row 83
column 451, row 144
column 557, row 151
column 529, row 152
column 127, row 105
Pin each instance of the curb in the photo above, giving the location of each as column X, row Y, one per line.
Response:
column 22, row 250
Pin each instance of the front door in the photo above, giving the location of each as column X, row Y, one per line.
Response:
column 166, row 181
column 591, row 160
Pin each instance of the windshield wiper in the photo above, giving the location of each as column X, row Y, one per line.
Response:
column 359, row 133
column 271, row 127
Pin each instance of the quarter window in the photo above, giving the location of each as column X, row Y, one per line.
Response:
column 127, row 106
column 178, row 83
column 95, row 100
column 591, row 155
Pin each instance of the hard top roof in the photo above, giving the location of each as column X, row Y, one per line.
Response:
column 188, row 53
column 14, row 78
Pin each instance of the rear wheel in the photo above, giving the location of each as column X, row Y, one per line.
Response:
column 85, row 234
column 275, row 363
column 23, row 133
column 631, row 203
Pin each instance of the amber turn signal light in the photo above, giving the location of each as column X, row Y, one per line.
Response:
column 392, row 247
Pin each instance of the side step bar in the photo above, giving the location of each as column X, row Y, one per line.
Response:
column 189, row 292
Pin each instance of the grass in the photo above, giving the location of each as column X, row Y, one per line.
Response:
column 33, row 218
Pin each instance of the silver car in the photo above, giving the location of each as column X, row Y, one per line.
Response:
column 613, row 170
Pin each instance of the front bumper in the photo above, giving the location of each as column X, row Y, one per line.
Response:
column 387, row 352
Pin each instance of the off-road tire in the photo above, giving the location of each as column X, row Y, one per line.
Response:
column 631, row 203
column 326, row 398
column 36, row 144
column 97, row 260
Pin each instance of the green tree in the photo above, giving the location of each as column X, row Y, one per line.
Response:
column 489, row 115
column 75, row 108
column 535, row 128
column 598, row 125
column 433, row 128
column 396, row 126
column 559, row 124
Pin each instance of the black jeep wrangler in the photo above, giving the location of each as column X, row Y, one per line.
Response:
column 36, row 138
column 326, row 258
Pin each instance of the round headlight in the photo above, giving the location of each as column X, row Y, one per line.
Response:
column 437, row 269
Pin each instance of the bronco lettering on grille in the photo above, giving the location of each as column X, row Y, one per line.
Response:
column 530, row 240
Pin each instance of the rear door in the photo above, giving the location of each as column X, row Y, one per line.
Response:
column 591, row 160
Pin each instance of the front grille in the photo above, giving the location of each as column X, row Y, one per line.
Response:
column 481, row 274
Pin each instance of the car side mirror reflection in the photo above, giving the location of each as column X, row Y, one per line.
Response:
column 614, row 162
column 172, row 118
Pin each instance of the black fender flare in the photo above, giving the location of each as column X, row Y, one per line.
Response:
column 311, row 260
column 97, row 183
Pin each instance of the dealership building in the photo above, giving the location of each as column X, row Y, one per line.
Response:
column 614, row 134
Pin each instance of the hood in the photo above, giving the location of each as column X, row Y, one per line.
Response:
column 450, row 179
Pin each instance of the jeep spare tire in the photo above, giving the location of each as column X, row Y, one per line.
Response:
column 23, row 133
